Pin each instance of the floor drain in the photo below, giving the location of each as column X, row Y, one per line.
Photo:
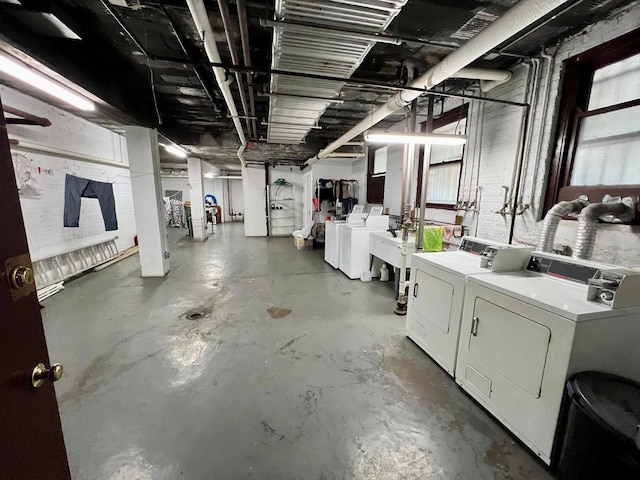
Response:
column 195, row 315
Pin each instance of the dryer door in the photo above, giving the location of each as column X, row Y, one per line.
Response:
column 512, row 345
column 432, row 300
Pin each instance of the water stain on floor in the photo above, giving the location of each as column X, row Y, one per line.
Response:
column 277, row 312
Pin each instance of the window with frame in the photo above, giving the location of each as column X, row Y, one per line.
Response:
column 597, row 146
column 376, row 174
column 445, row 166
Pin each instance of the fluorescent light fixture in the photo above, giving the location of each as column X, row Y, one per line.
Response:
column 209, row 175
column 36, row 79
column 173, row 150
column 384, row 136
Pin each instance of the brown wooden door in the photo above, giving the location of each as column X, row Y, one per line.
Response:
column 31, row 443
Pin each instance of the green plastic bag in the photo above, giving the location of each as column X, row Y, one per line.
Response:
column 432, row 238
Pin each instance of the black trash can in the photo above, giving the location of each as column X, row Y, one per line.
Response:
column 601, row 438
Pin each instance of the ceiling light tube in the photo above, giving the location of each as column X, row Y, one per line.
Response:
column 30, row 76
column 384, row 136
column 173, row 150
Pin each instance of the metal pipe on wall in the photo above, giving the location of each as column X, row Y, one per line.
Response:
column 426, row 163
column 533, row 102
column 513, row 21
column 543, row 117
column 510, row 202
column 520, row 158
column 226, row 23
column 408, row 158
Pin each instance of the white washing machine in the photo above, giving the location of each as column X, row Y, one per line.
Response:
column 523, row 334
column 354, row 244
column 332, row 241
column 437, row 291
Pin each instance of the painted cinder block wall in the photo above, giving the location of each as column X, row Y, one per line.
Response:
column 43, row 212
column 618, row 244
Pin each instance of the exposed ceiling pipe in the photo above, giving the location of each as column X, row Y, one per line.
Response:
column 489, row 79
column 201, row 20
column 353, row 83
column 513, row 21
column 240, row 155
column 246, row 53
column 226, row 23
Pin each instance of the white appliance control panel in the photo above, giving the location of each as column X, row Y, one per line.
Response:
column 615, row 288
column 475, row 246
column 564, row 268
column 503, row 258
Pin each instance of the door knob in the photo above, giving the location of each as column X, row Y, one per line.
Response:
column 21, row 277
column 42, row 373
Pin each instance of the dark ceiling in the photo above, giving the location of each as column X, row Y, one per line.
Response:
column 117, row 61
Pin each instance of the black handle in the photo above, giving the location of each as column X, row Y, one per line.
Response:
column 415, row 290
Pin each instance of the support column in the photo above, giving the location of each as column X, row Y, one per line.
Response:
column 198, row 218
column 144, row 166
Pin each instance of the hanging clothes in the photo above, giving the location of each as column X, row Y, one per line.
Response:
column 75, row 188
column 174, row 212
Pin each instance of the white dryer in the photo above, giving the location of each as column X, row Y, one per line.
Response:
column 523, row 334
column 437, row 291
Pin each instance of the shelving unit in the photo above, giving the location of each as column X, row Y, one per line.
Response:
column 281, row 212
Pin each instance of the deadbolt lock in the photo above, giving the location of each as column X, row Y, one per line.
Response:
column 42, row 373
column 21, row 277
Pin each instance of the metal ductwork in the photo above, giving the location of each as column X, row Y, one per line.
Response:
column 552, row 220
column 510, row 24
column 323, row 49
column 201, row 20
column 612, row 210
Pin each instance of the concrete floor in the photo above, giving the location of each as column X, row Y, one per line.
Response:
column 331, row 390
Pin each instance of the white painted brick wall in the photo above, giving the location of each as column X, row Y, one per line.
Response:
column 615, row 244
column 43, row 214
column 253, row 183
column 237, row 200
column 177, row 184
